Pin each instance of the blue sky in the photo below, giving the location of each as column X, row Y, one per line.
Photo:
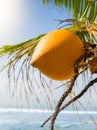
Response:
column 22, row 20
column 27, row 19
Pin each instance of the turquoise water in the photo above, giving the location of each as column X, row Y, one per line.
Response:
column 17, row 119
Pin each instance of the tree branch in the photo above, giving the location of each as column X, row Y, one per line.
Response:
column 73, row 99
column 65, row 94
column 80, row 94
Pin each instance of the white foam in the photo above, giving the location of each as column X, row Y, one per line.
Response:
column 76, row 124
column 44, row 111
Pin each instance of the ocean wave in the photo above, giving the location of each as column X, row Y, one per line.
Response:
column 76, row 124
column 8, row 121
column 45, row 111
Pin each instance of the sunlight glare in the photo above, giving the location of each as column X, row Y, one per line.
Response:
column 9, row 14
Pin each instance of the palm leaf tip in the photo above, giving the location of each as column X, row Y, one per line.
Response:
column 22, row 48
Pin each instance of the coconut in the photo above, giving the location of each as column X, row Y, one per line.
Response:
column 56, row 54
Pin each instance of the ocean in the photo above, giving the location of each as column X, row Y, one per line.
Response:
column 29, row 119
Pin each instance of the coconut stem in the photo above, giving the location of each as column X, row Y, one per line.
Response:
column 65, row 94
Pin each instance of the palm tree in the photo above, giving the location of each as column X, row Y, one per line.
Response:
column 84, row 25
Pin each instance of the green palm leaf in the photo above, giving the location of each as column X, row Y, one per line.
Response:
column 78, row 8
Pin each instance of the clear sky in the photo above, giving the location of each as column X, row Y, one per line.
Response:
column 21, row 20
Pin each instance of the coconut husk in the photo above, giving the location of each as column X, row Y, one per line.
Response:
column 93, row 67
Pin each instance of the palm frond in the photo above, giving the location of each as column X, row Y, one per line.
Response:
column 16, row 62
column 80, row 28
column 22, row 47
column 79, row 8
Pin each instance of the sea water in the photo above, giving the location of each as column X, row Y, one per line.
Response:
column 29, row 119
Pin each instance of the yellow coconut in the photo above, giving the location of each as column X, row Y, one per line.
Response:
column 56, row 54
